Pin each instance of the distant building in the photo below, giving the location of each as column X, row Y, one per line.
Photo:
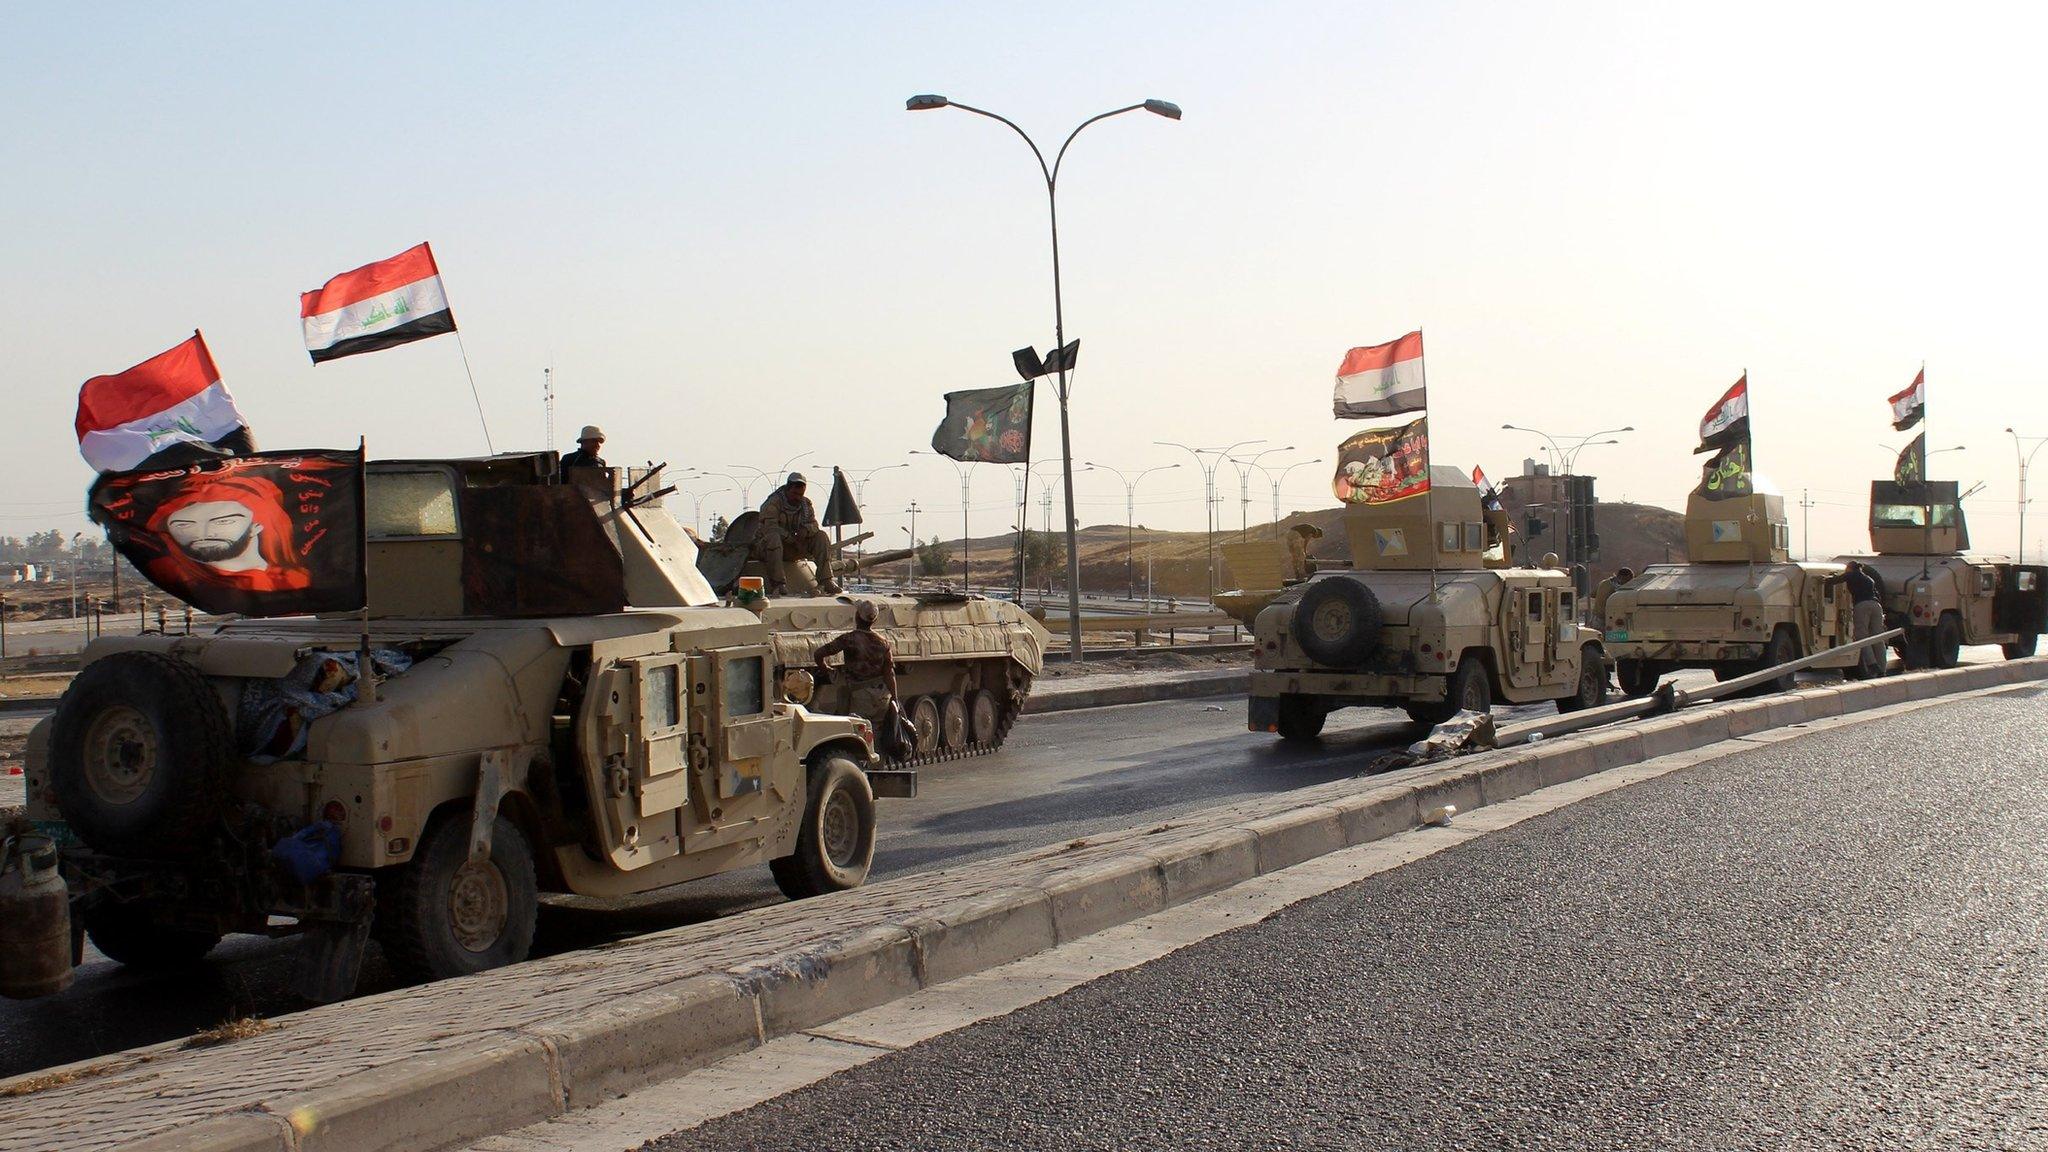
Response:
column 1553, row 513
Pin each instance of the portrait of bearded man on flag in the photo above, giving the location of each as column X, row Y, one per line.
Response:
column 232, row 530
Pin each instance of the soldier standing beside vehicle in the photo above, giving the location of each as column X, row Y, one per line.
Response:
column 869, row 666
column 1866, row 591
column 789, row 529
column 1601, row 591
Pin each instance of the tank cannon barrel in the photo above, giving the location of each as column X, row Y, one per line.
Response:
column 872, row 560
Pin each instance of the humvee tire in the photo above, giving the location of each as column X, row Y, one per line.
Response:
column 1592, row 691
column 139, row 750
column 1468, row 690
column 127, row 935
column 1781, row 648
column 1916, row 648
column 835, row 844
column 1638, row 678
column 2021, row 648
column 1301, row 718
column 1337, row 623
column 1948, row 640
column 440, row 915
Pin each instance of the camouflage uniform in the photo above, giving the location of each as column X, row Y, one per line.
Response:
column 789, row 531
column 869, row 671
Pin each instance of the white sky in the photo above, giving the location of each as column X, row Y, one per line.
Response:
column 734, row 245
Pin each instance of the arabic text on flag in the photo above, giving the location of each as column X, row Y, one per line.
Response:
column 992, row 425
column 174, row 397
column 1909, row 406
column 270, row 534
column 1383, row 380
column 1381, row 465
column 377, row 306
column 1911, row 467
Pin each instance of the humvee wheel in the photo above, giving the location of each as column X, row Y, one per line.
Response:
column 445, row 915
column 1301, row 718
column 952, row 721
column 1468, row 691
column 984, row 717
column 127, row 936
column 1592, row 686
column 2021, row 648
column 1638, row 678
column 1337, row 622
column 1916, row 648
column 138, row 751
column 1782, row 648
column 835, row 844
column 923, row 714
column 1948, row 640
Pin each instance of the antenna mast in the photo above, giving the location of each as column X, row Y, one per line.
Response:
column 547, row 399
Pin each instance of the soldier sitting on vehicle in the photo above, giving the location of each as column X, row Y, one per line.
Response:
column 588, row 442
column 1299, row 567
column 1601, row 591
column 789, row 529
column 869, row 666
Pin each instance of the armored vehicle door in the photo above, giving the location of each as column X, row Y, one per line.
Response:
column 745, row 768
column 634, row 740
column 2021, row 606
column 1532, row 634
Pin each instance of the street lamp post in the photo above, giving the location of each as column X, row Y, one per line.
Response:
column 860, row 481
column 2026, row 459
column 1130, row 484
column 1569, row 457
column 928, row 102
column 697, row 500
column 1208, row 468
column 966, row 469
column 910, row 566
column 1276, row 482
column 1244, row 486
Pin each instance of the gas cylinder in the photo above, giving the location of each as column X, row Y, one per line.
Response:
column 35, row 920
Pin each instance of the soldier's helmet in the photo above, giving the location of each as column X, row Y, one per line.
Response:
column 864, row 612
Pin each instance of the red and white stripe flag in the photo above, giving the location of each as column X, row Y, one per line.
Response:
column 1728, row 420
column 1384, row 380
column 377, row 306
column 1909, row 406
column 174, row 397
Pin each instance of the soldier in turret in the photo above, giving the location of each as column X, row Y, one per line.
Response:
column 789, row 528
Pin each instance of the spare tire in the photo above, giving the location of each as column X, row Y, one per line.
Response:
column 1337, row 621
column 139, row 751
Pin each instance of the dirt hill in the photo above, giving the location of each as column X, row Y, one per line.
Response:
column 1635, row 535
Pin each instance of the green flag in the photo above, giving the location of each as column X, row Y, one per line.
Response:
column 991, row 425
column 1912, row 465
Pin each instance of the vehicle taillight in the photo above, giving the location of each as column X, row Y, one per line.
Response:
column 335, row 812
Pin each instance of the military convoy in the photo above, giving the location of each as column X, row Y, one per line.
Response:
column 561, row 704
column 1431, row 617
column 1942, row 597
column 1740, row 606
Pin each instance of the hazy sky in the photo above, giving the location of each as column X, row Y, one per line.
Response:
column 734, row 246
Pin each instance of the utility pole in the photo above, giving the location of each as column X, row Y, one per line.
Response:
column 1208, row 468
column 910, row 565
column 2026, row 458
column 1805, row 524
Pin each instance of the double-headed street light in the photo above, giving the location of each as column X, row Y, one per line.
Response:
column 965, row 468
column 1208, row 468
column 1569, row 457
column 1244, row 486
column 1130, row 484
column 928, row 102
column 2026, row 459
column 1276, row 482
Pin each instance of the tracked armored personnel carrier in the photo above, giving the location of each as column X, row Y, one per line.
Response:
column 1943, row 597
column 1741, row 605
column 964, row 663
column 564, row 706
column 1430, row 618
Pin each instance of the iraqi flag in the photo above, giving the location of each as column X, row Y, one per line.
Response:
column 174, row 397
column 1489, row 496
column 377, row 306
column 1910, row 406
column 1384, row 380
column 1727, row 422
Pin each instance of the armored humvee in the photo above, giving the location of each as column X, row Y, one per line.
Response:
column 1741, row 605
column 577, row 713
column 1431, row 618
column 964, row 663
column 1943, row 597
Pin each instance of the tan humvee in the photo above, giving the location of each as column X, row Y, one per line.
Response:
column 1390, row 633
column 580, row 715
column 1943, row 597
column 1740, row 606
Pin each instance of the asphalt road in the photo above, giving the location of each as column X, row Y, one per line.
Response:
column 1062, row 775
column 1839, row 941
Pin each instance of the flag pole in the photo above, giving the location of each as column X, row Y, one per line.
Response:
column 1428, row 479
column 1926, row 480
column 366, row 665
column 466, row 371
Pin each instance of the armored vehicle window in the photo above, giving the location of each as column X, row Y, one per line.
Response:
column 1910, row 515
column 1475, row 537
column 1564, row 606
column 743, row 689
column 659, row 696
column 1450, row 537
column 2026, row 581
column 1535, row 605
column 411, row 504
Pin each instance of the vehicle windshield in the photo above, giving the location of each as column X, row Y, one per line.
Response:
column 1911, row 515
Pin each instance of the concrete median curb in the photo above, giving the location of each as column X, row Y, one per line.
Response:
column 508, row 1048
column 1185, row 686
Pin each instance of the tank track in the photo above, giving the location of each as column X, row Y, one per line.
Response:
column 1012, row 709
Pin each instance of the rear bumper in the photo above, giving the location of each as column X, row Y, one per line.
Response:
column 1387, row 689
column 1684, row 651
